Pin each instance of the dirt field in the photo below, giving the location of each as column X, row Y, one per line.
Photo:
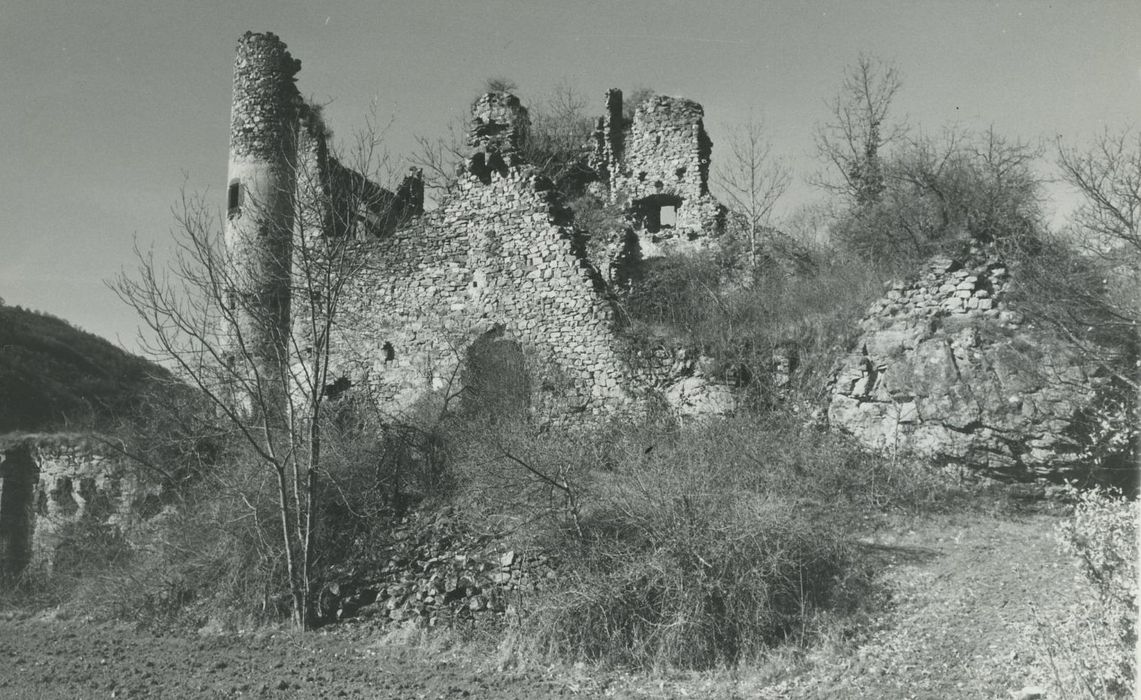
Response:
column 44, row 658
column 960, row 626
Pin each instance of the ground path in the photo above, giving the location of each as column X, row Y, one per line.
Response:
column 960, row 625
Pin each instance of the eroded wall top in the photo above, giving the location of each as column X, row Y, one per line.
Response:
column 265, row 99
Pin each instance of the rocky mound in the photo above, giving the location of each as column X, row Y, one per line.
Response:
column 945, row 370
column 434, row 572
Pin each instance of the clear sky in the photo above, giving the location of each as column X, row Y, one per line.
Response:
column 108, row 108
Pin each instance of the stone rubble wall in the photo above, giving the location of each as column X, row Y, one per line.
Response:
column 265, row 99
column 65, row 480
column 497, row 131
column 496, row 257
column 433, row 573
column 946, row 370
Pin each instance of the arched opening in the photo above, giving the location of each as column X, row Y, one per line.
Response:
column 494, row 376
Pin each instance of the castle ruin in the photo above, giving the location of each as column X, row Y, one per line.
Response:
column 495, row 280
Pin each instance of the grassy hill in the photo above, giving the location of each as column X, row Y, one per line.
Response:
column 54, row 376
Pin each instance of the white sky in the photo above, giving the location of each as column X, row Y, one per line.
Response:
column 110, row 107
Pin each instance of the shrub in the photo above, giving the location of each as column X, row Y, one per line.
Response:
column 1093, row 649
column 811, row 318
column 706, row 545
column 693, row 581
column 209, row 555
column 940, row 192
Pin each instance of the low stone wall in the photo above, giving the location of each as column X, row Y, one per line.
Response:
column 435, row 573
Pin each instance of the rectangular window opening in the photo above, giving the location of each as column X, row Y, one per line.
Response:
column 234, row 198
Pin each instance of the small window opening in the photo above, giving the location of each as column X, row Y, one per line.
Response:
column 658, row 185
column 680, row 172
column 389, row 352
column 655, row 212
column 495, row 163
column 234, row 198
column 642, row 176
column 477, row 165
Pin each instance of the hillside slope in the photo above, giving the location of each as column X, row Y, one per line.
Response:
column 54, row 376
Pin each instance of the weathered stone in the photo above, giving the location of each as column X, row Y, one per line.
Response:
column 50, row 483
column 965, row 384
column 696, row 397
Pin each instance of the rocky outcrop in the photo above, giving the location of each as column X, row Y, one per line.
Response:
column 699, row 397
column 946, row 371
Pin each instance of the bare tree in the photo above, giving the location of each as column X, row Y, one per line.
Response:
column 1102, row 302
column 203, row 320
column 438, row 157
column 1108, row 177
column 754, row 179
column 557, row 139
column 853, row 139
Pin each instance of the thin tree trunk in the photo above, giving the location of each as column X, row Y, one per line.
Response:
column 287, row 540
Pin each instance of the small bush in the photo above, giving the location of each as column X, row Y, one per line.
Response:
column 1093, row 649
column 693, row 581
column 210, row 556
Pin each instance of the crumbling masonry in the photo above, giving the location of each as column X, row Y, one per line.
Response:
column 492, row 281
column 657, row 167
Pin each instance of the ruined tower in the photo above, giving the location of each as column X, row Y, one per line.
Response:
column 261, row 192
column 498, row 130
column 657, row 166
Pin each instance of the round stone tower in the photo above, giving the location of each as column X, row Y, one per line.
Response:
column 262, row 185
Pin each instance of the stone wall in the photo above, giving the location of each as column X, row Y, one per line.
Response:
column 52, row 482
column 497, row 260
column 946, row 370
